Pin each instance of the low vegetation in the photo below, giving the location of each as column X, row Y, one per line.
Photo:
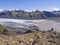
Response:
column 36, row 38
column 1, row 28
column 5, row 31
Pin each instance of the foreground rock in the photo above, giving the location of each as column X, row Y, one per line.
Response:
column 32, row 38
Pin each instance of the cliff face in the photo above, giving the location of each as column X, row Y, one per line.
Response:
column 32, row 38
column 20, row 14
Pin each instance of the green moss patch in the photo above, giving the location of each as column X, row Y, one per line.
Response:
column 1, row 28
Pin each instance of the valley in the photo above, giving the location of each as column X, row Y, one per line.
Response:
column 24, row 25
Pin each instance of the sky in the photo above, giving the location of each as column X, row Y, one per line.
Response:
column 30, row 4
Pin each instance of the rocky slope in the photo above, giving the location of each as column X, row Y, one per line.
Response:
column 32, row 38
column 20, row 14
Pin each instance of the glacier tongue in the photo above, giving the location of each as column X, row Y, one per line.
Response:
column 30, row 24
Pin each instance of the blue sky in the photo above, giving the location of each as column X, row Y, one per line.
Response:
column 30, row 4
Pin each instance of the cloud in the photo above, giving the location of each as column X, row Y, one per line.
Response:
column 55, row 9
column 30, row 10
column 52, row 9
column 1, row 10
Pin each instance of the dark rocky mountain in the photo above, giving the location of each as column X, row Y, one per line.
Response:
column 20, row 14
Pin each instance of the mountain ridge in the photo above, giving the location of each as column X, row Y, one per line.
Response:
column 20, row 14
